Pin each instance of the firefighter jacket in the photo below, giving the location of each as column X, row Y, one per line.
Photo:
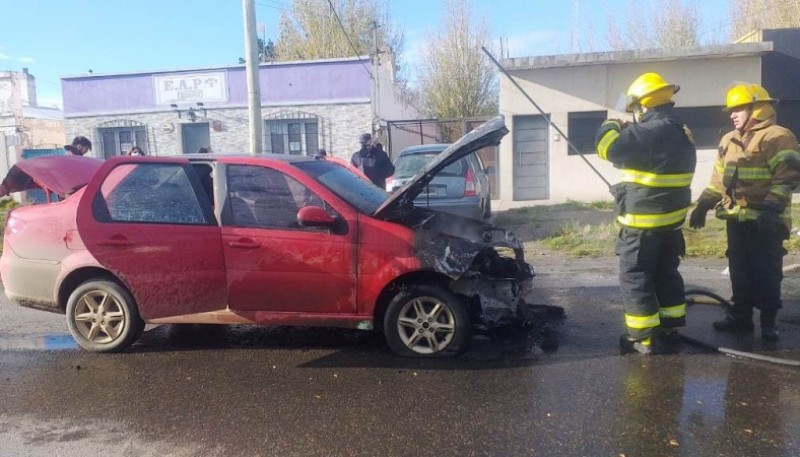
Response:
column 756, row 170
column 657, row 159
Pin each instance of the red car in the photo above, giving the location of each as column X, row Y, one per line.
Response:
column 274, row 240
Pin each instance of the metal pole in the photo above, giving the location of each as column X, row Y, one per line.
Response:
column 503, row 71
column 253, row 89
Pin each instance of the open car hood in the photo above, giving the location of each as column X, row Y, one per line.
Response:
column 488, row 133
column 59, row 174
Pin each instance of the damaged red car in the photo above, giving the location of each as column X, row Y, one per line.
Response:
column 272, row 240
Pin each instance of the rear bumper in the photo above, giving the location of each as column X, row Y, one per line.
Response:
column 29, row 283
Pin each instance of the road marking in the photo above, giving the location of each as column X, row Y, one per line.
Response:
column 53, row 342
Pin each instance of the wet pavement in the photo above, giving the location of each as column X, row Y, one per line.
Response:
column 559, row 388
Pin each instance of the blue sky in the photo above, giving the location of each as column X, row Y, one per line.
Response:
column 55, row 38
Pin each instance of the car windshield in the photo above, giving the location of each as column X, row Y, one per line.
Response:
column 410, row 164
column 362, row 194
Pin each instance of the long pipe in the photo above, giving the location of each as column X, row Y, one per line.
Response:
column 563, row 135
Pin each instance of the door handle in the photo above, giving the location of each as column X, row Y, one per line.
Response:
column 116, row 241
column 243, row 244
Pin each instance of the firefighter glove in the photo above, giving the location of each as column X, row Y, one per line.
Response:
column 697, row 219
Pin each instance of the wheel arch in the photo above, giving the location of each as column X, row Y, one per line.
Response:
column 78, row 277
column 391, row 289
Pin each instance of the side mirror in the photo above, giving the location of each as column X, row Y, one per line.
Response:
column 489, row 170
column 314, row 216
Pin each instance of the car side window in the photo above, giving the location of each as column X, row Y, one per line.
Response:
column 152, row 193
column 266, row 198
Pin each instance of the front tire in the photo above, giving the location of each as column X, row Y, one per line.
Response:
column 427, row 321
column 102, row 316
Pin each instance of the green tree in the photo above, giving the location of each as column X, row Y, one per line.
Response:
column 266, row 51
column 456, row 78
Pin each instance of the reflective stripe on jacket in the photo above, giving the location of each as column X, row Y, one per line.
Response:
column 657, row 158
column 755, row 170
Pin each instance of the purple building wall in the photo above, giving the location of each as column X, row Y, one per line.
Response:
column 281, row 84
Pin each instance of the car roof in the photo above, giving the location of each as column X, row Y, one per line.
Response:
column 243, row 155
column 423, row 148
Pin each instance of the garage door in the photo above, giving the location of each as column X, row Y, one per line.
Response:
column 530, row 158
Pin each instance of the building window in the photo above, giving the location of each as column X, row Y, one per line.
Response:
column 294, row 136
column 582, row 128
column 117, row 141
column 707, row 123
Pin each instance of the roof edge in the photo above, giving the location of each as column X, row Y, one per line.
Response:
column 220, row 67
column 634, row 56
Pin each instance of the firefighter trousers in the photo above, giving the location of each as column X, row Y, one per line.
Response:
column 755, row 263
column 651, row 286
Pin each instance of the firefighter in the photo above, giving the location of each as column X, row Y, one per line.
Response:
column 656, row 156
column 757, row 168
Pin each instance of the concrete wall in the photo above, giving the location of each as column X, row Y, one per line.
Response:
column 562, row 90
column 341, row 124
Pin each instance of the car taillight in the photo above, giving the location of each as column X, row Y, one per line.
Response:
column 14, row 225
column 389, row 184
column 469, row 186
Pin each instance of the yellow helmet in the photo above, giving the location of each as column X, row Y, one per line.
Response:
column 745, row 94
column 649, row 90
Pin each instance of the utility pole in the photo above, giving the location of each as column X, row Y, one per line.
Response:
column 251, row 65
column 376, row 79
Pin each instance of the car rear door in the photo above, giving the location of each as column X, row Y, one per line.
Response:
column 275, row 265
column 151, row 224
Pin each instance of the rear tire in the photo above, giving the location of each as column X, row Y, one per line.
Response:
column 427, row 321
column 103, row 317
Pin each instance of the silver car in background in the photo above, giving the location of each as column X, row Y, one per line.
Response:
column 461, row 188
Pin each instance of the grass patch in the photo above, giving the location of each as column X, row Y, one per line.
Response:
column 583, row 240
column 583, row 230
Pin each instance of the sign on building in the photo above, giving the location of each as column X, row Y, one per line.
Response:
column 190, row 88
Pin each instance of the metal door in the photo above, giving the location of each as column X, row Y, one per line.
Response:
column 530, row 158
column 195, row 136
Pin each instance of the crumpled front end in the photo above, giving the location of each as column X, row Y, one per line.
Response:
column 486, row 263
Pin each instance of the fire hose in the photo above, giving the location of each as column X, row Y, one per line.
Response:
column 713, row 299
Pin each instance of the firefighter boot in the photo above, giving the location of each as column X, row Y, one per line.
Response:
column 629, row 346
column 669, row 337
column 769, row 327
column 735, row 322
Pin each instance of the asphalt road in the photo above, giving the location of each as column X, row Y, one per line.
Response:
column 558, row 389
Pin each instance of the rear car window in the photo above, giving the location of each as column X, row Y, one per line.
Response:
column 152, row 193
column 408, row 165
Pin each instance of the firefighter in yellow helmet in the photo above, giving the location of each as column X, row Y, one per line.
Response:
column 656, row 156
column 757, row 168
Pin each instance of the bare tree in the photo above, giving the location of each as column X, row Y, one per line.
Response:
column 749, row 15
column 652, row 24
column 456, row 78
column 310, row 29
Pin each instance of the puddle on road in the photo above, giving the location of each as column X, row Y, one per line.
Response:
column 53, row 342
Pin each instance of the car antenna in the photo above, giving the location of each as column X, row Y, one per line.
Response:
column 566, row 138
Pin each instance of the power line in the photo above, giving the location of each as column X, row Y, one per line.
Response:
column 344, row 31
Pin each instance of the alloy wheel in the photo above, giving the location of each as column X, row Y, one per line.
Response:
column 99, row 317
column 426, row 325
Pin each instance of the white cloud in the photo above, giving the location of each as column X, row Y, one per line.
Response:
column 535, row 42
column 4, row 56
column 26, row 59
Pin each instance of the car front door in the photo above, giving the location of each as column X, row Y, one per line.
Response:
column 273, row 263
column 152, row 225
